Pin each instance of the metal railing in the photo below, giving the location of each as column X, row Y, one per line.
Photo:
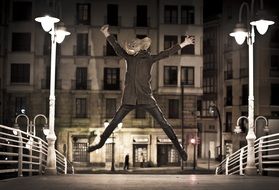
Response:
column 266, row 157
column 26, row 154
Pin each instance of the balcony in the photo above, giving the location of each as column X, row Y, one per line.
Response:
column 81, row 85
column 45, row 84
column 244, row 72
column 82, row 51
column 228, row 101
column 243, row 100
column 138, row 22
column 116, row 86
column 274, row 72
column 228, row 75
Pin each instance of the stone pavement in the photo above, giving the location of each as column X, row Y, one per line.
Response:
column 202, row 168
column 140, row 182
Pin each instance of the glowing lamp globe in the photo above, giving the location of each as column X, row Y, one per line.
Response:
column 47, row 22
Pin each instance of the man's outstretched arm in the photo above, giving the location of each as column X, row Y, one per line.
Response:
column 168, row 52
column 111, row 39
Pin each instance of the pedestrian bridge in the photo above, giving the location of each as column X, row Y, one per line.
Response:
column 24, row 154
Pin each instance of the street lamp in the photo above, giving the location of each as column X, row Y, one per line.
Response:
column 238, row 128
column 241, row 33
column 119, row 126
column 57, row 36
column 212, row 109
column 31, row 127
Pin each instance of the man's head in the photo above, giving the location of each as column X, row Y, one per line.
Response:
column 136, row 45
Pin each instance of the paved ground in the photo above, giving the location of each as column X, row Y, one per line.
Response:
column 140, row 182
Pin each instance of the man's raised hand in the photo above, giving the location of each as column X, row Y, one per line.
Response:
column 104, row 30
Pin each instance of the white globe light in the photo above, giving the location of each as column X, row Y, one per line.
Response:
column 47, row 22
column 237, row 129
column 239, row 36
column 60, row 35
column 262, row 25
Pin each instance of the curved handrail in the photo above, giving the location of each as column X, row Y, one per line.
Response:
column 266, row 157
column 26, row 154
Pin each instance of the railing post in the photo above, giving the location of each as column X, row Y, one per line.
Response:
column 241, row 161
column 20, row 154
column 40, row 157
column 65, row 165
column 30, row 159
column 227, row 165
column 260, row 156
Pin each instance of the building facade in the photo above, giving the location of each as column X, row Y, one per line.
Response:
column 90, row 77
column 226, row 74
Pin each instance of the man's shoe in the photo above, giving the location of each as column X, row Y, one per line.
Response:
column 184, row 155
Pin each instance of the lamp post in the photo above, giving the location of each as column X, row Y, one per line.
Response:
column 119, row 126
column 182, row 119
column 57, row 36
column 193, row 142
column 212, row 109
column 241, row 33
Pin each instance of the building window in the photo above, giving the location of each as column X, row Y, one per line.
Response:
column 187, row 75
column 82, row 44
column 229, row 72
column 228, row 127
column 140, row 152
column 21, row 41
column 20, row 105
column 47, row 44
column 244, row 123
column 108, row 152
column 229, row 99
column 275, row 114
column 169, row 41
column 80, row 149
column 110, row 107
column 173, row 108
column 189, row 49
column 274, row 94
column 47, row 107
column 170, row 75
column 81, row 109
column 112, row 14
column 187, row 15
column 83, row 13
column 22, row 11
column 20, row 73
column 140, row 113
column 171, row 14
column 244, row 98
column 141, row 16
column 209, row 85
column 109, row 49
column 111, row 79
column 81, row 78
column 274, row 40
column 274, row 66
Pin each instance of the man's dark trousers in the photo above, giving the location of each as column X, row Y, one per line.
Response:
column 157, row 114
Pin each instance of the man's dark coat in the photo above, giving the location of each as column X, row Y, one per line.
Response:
column 138, row 75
